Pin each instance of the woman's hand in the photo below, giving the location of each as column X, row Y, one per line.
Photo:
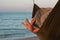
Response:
column 29, row 25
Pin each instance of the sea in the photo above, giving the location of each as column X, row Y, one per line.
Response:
column 11, row 27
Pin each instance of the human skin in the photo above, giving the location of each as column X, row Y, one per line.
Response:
column 29, row 25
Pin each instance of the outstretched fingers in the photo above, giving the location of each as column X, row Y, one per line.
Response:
column 29, row 25
column 26, row 24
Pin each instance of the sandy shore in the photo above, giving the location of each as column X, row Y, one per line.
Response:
column 30, row 38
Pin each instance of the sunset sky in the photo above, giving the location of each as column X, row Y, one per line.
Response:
column 23, row 5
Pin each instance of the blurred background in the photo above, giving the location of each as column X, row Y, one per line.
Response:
column 13, row 13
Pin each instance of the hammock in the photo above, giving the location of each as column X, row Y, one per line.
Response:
column 51, row 25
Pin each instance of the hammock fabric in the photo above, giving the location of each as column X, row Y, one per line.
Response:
column 35, row 9
column 50, row 29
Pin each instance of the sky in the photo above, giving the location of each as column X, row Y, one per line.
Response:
column 23, row 5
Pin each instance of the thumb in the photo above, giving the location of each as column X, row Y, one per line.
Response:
column 35, row 30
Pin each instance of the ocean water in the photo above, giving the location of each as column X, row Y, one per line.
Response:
column 11, row 27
